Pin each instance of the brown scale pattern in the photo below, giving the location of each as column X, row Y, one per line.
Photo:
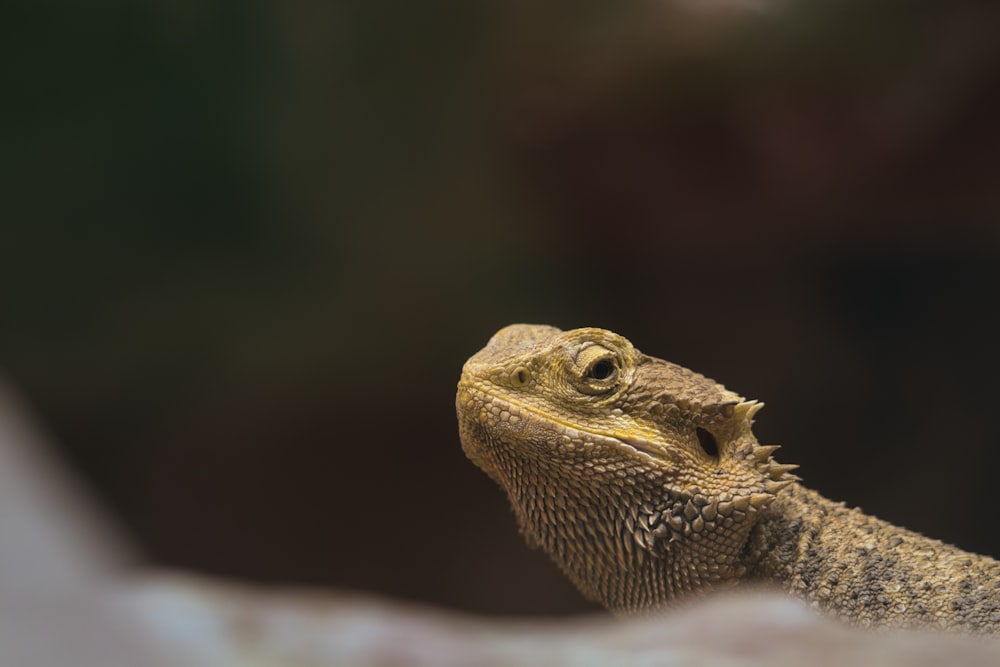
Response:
column 643, row 481
column 870, row 572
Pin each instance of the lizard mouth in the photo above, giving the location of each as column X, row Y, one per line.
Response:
column 476, row 398
column 640, row 445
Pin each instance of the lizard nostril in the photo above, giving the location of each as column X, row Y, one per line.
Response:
column 520, row 377
column 708, row 442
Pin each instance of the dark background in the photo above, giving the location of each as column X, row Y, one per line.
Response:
column 246, row 246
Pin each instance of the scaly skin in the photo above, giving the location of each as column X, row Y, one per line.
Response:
column 644, row 483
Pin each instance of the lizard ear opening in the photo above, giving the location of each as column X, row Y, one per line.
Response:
column 708, row 442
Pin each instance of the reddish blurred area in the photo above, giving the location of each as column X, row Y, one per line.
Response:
column 249, row 245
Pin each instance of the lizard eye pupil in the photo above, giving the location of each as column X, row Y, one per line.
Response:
column 603, row 370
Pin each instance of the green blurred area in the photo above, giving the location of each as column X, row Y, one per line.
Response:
column 246, row 248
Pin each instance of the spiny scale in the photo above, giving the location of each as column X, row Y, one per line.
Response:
column 764, row 452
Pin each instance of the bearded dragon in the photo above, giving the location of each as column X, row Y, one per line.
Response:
column 645, row 484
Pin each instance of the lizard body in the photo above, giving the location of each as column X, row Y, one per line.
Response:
column 645, row 484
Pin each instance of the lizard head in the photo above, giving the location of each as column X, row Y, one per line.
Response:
column 642, row 479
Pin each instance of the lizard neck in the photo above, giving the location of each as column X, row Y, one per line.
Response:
column 780, row 541
column 870, row 572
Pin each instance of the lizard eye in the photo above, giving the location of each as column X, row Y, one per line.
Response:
column 598, row 370
column 603, row 370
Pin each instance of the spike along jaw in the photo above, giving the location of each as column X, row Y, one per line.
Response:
column 640, row 478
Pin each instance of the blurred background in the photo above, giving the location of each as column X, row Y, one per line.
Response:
column 247, row 246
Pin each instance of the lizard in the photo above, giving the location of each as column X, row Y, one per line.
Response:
column 645, row 484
